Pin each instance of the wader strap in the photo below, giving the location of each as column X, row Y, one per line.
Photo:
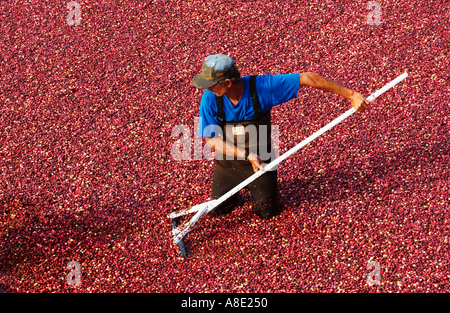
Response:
column 254, row 94
column 255, row 102
column 220, row 112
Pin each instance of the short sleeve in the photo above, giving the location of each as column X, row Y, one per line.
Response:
column 282, row 87
column 208, row 125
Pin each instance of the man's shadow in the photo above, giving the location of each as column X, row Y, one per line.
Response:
column 26, row 232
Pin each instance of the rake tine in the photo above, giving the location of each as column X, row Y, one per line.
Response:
column 180, row 242
column 192, row 209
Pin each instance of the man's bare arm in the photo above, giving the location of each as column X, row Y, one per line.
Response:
column 316, row 81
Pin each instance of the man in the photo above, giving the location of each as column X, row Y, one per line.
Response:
column 232, row 108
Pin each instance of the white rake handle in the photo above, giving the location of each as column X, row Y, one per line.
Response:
column 206, row 207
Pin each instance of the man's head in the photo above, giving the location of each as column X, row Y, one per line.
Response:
column 217, row 69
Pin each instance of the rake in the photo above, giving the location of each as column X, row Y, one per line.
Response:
column 201, row 209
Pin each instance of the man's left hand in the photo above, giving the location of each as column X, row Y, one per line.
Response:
column 359, row 103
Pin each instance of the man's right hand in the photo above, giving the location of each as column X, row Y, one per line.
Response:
column 256, row 161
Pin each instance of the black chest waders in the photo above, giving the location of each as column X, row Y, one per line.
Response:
column 255, row 137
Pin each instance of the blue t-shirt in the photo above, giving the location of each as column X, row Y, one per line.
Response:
column 272, row 90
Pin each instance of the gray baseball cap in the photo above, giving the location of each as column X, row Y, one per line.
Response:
column 215, row 67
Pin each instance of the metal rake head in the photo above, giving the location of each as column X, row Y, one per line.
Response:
column 180, row 242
